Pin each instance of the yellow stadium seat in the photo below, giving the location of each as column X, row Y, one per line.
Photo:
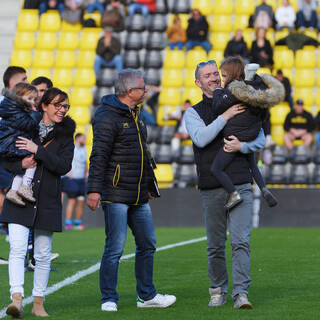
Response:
column 28, row 20
column 189, row 78
column 174, row 59
column 270, row 36
column 46, row 40
column 216, row 55
column 318, row 98
column 272, row 3
column 62, row 77
column 81, row 129
column 172, row 78
column 170, row 96
column 43, row 59
column 39, row 72
column 241, row 21
column 277, row 133
column 86, row 58
column 65, row 59
column 89, row 134
column 294, row 4
column 310, row 109
column 69, row 27
column 24, row 40
column 68, row 41
column 50, row 21
column 244, row 7
column 81, row 97
column 164, row 175
column 281, row 34
column 286, row 72
column 184, row 17
column 89, row 149
column 219, row 40
column 193, row 94
column 21, row 58
column 221, row 23
column 304, row 78
column 248, row 36
column 283, row 58
column 162, row 113
column 306, row 58
column 205, row 6
column 262, row 70
column 194, row 57
column 311, row 33
column 278, row 114
column 89, row 39
column 223, row 7
column 84, row 77
column 306, row 94
column 96, row 16
column 81, row 115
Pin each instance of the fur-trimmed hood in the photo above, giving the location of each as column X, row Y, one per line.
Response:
column 12, row 96
column 66, row 128
column 256, row 97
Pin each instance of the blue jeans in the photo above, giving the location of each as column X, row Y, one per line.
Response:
column 318, row 139
column 302, row 22
column 95, row 6
column 116, row 62
column 205, row 44
column 133, row 7
column 178, row 44
column 43, row 7
column 139, row 219
column 238, row 220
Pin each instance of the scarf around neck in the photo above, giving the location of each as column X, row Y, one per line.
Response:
column 44, row 130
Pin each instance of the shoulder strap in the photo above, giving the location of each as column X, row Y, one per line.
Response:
column 47, row 143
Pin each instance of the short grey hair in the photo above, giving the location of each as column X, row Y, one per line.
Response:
column 127, row 78
column 205, row 63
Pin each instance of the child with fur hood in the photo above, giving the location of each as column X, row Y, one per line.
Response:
column 258, row 94
column 19, row 119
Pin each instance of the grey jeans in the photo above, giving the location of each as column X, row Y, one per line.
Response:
column 238, row 220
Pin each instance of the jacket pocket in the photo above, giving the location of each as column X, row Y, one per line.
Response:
column 116, row 176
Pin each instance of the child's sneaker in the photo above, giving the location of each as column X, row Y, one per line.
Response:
column 233, row 200
column 13, row 196
column 79, row 227
column 270, row 198
column 68, row 227
column 26, row 193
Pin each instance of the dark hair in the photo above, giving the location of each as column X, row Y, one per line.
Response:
column 50, row 94
column 234, row 66
column 21, row 88
column 40, row 80
column 279, row 72
column 78, row 135
column 10, row 72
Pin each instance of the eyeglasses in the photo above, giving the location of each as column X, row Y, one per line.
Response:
column 139, row 88
column 202, row 64
column 59, row 106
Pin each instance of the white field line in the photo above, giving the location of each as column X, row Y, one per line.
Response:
column 83, row 273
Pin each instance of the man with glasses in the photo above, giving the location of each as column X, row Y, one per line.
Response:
column 206, row 134
column 119, row 178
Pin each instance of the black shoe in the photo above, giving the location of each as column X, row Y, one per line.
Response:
column 234, row 199
column 270, row 198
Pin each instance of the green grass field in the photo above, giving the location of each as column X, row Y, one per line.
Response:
column 285, row 273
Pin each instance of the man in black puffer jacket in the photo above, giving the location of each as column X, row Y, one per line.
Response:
column 119, row 177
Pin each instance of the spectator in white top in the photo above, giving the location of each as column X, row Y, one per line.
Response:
column 307, row 16
column 285, row 16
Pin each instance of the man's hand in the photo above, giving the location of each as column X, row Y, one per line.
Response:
column 93, row 200
column 150, row 196
column 233, row 111
column 232, row 144
column 28, row 162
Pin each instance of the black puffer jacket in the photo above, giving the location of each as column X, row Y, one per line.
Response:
column 17, row 120
column 53, row 162
column 119, row 167
column 259, row 94
column 194, row 28
column 236, row 48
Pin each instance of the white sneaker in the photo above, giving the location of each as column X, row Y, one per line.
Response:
column 159, row 301
column 54, row 256
column 3, row 261
column 109, row 306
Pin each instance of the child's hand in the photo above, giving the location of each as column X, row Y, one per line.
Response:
column 26, row 144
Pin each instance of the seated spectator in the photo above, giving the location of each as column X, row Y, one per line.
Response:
column 108, row 52
column 95, row 5
column 177, row 35
column 237, row 47
column 261, row 50
column 73, row 11
column 51, row 5
column 181, row 130
column 287, row 86
column 197, row 31
column 299, row 124
column 31, row 4
column 114, row 16
column 142, row 6
column 285, row 16
column 307, row 16
column 263, row 16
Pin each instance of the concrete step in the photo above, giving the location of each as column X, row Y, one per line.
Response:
column 8, row 25
column 10, row 8
column 7, row 43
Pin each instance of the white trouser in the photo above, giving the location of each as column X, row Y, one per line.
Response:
column 18, row 239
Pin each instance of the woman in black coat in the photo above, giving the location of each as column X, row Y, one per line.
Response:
column 52, row 154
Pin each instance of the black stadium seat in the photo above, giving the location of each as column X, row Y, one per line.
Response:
column 153, row 59
column 157, row 22
column 136, row 23
column 100, row 92
column 106, row 77
column 162, row 6
column 276, row 174
column 133, row 41
column 300, row 155
column 152, row 77
column 181, row 6
column 186, row 176
column 316, row 155
column 165, row 135
column 316, row 175
column 186, row 155
column 299, row 174
column 280, row 155
column 131, row 59
column 156, row 41
column 163, row 153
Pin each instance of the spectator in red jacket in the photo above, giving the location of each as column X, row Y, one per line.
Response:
column 143, row 6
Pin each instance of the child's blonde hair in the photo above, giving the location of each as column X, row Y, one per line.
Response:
column 234, row 67
column 21, row 89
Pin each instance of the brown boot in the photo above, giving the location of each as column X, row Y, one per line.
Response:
column 15, row 308
column 38, row 309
